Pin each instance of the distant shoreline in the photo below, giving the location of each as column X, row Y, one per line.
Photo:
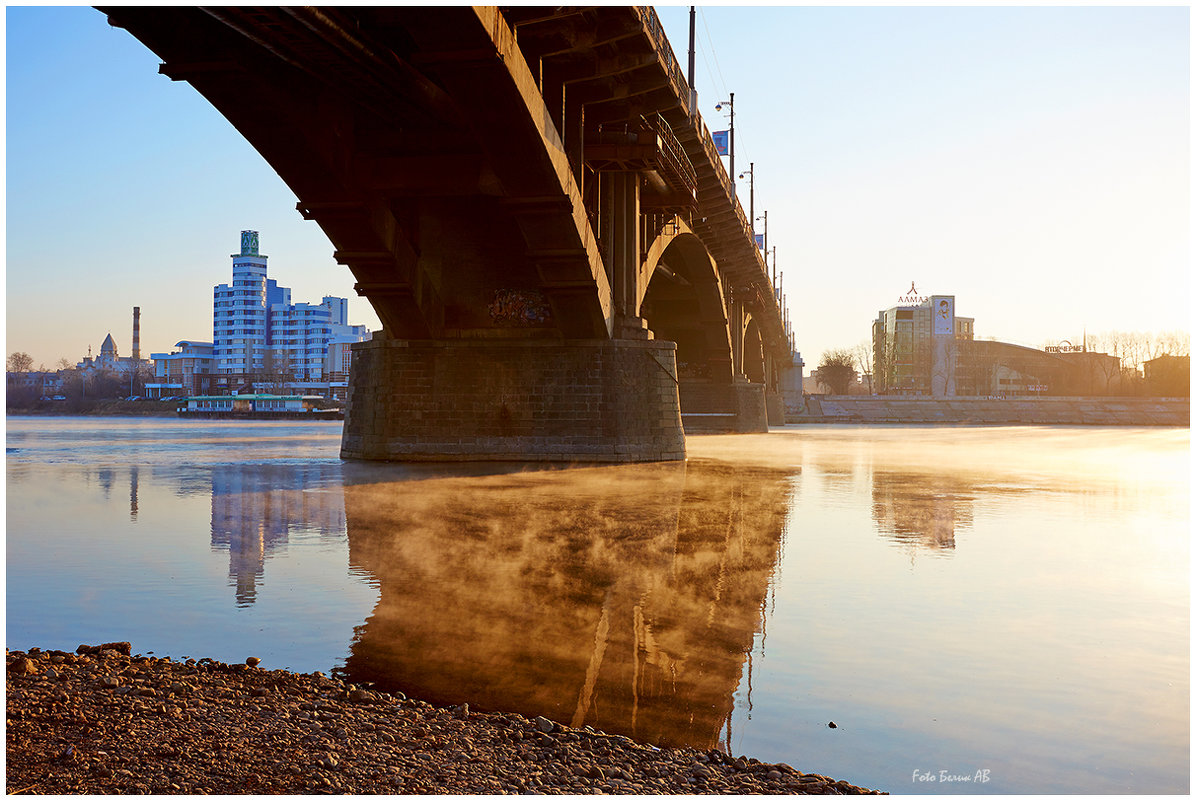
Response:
column 97, row 408
column 913, row 410
column 87, row 413
column 837, row 410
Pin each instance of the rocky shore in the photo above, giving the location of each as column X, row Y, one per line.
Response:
column 103, row 720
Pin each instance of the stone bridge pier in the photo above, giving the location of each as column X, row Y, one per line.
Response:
column 517, row 399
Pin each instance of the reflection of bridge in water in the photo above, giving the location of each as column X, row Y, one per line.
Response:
column 624, row 598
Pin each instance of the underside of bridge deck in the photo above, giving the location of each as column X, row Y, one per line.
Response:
column 499, row 181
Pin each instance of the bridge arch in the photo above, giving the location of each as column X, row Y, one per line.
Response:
column 682, row 301
column 753, row 353
column 503, row 183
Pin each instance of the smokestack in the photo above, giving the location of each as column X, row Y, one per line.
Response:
column 136, row 332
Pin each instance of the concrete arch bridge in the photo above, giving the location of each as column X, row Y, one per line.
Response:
column 532, row 206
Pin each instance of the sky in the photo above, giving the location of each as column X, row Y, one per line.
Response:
column 1031, row 161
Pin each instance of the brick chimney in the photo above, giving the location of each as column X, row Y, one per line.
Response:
column 136, row 332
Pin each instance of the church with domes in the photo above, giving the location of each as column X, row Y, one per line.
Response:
column 110, row 360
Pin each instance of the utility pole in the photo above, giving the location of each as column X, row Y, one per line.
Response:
column 693, row 92
column 732, row 144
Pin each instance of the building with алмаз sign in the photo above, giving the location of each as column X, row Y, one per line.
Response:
column 914, row 345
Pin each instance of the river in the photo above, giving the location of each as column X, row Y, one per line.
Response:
column 976, row 610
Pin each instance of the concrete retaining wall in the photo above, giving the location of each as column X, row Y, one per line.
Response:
column 539, row 400
column 988, row 411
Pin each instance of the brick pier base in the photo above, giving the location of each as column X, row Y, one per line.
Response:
column 535, row 400
column 709, row 407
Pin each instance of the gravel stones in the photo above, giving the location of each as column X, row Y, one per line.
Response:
column 22, row 667
column 112, row 723
column 362, row 697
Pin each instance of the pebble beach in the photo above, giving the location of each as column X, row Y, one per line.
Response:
column 103, row 720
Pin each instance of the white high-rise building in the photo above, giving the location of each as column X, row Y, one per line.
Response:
column 263, row 340
column 239, row 318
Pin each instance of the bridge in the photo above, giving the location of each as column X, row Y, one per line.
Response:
column 530, row 202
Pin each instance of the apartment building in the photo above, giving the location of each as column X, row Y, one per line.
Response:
column 261, row 340
column 186, row 371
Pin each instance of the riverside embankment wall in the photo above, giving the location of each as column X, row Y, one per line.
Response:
column 867, row 409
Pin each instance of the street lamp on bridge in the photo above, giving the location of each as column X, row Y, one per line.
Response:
column 731, row 146
column 750, row 172
column 774, row 269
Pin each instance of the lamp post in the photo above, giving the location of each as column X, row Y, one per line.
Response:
column 750, row 172
column 765, row 218
column 731, row 145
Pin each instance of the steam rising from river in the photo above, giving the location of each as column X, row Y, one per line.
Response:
column 624, row 597
column 1041, row 454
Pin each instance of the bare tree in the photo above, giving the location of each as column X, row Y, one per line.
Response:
column 886, row 369
column 277, row 370
column 862, row 353
column 64, row 364
column 1107, row 370
column 1135, row 347
column 20, row 362
column 1174, row 343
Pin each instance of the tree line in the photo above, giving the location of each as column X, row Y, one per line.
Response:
column 21, row 362
column 76, row 387
column 839, row 367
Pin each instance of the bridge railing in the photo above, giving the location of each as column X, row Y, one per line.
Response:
column 673, row 154
column 651, row 21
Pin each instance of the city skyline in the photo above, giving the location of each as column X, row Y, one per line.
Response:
column 1030, row 161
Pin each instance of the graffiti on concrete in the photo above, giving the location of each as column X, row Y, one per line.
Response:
column 519, row 308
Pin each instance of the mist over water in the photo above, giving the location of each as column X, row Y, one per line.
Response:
column 1005, row 604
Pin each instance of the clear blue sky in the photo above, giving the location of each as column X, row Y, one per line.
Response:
column 1031, row 161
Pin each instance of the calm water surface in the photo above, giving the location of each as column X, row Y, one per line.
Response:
column 1008, row 604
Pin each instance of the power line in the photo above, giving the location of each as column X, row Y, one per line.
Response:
column 740, row 150
column 712, row 53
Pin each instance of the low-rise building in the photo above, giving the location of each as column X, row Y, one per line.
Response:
column 37, row 383
column 1001, row 369
column 1168, row 376
column 186, row 371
